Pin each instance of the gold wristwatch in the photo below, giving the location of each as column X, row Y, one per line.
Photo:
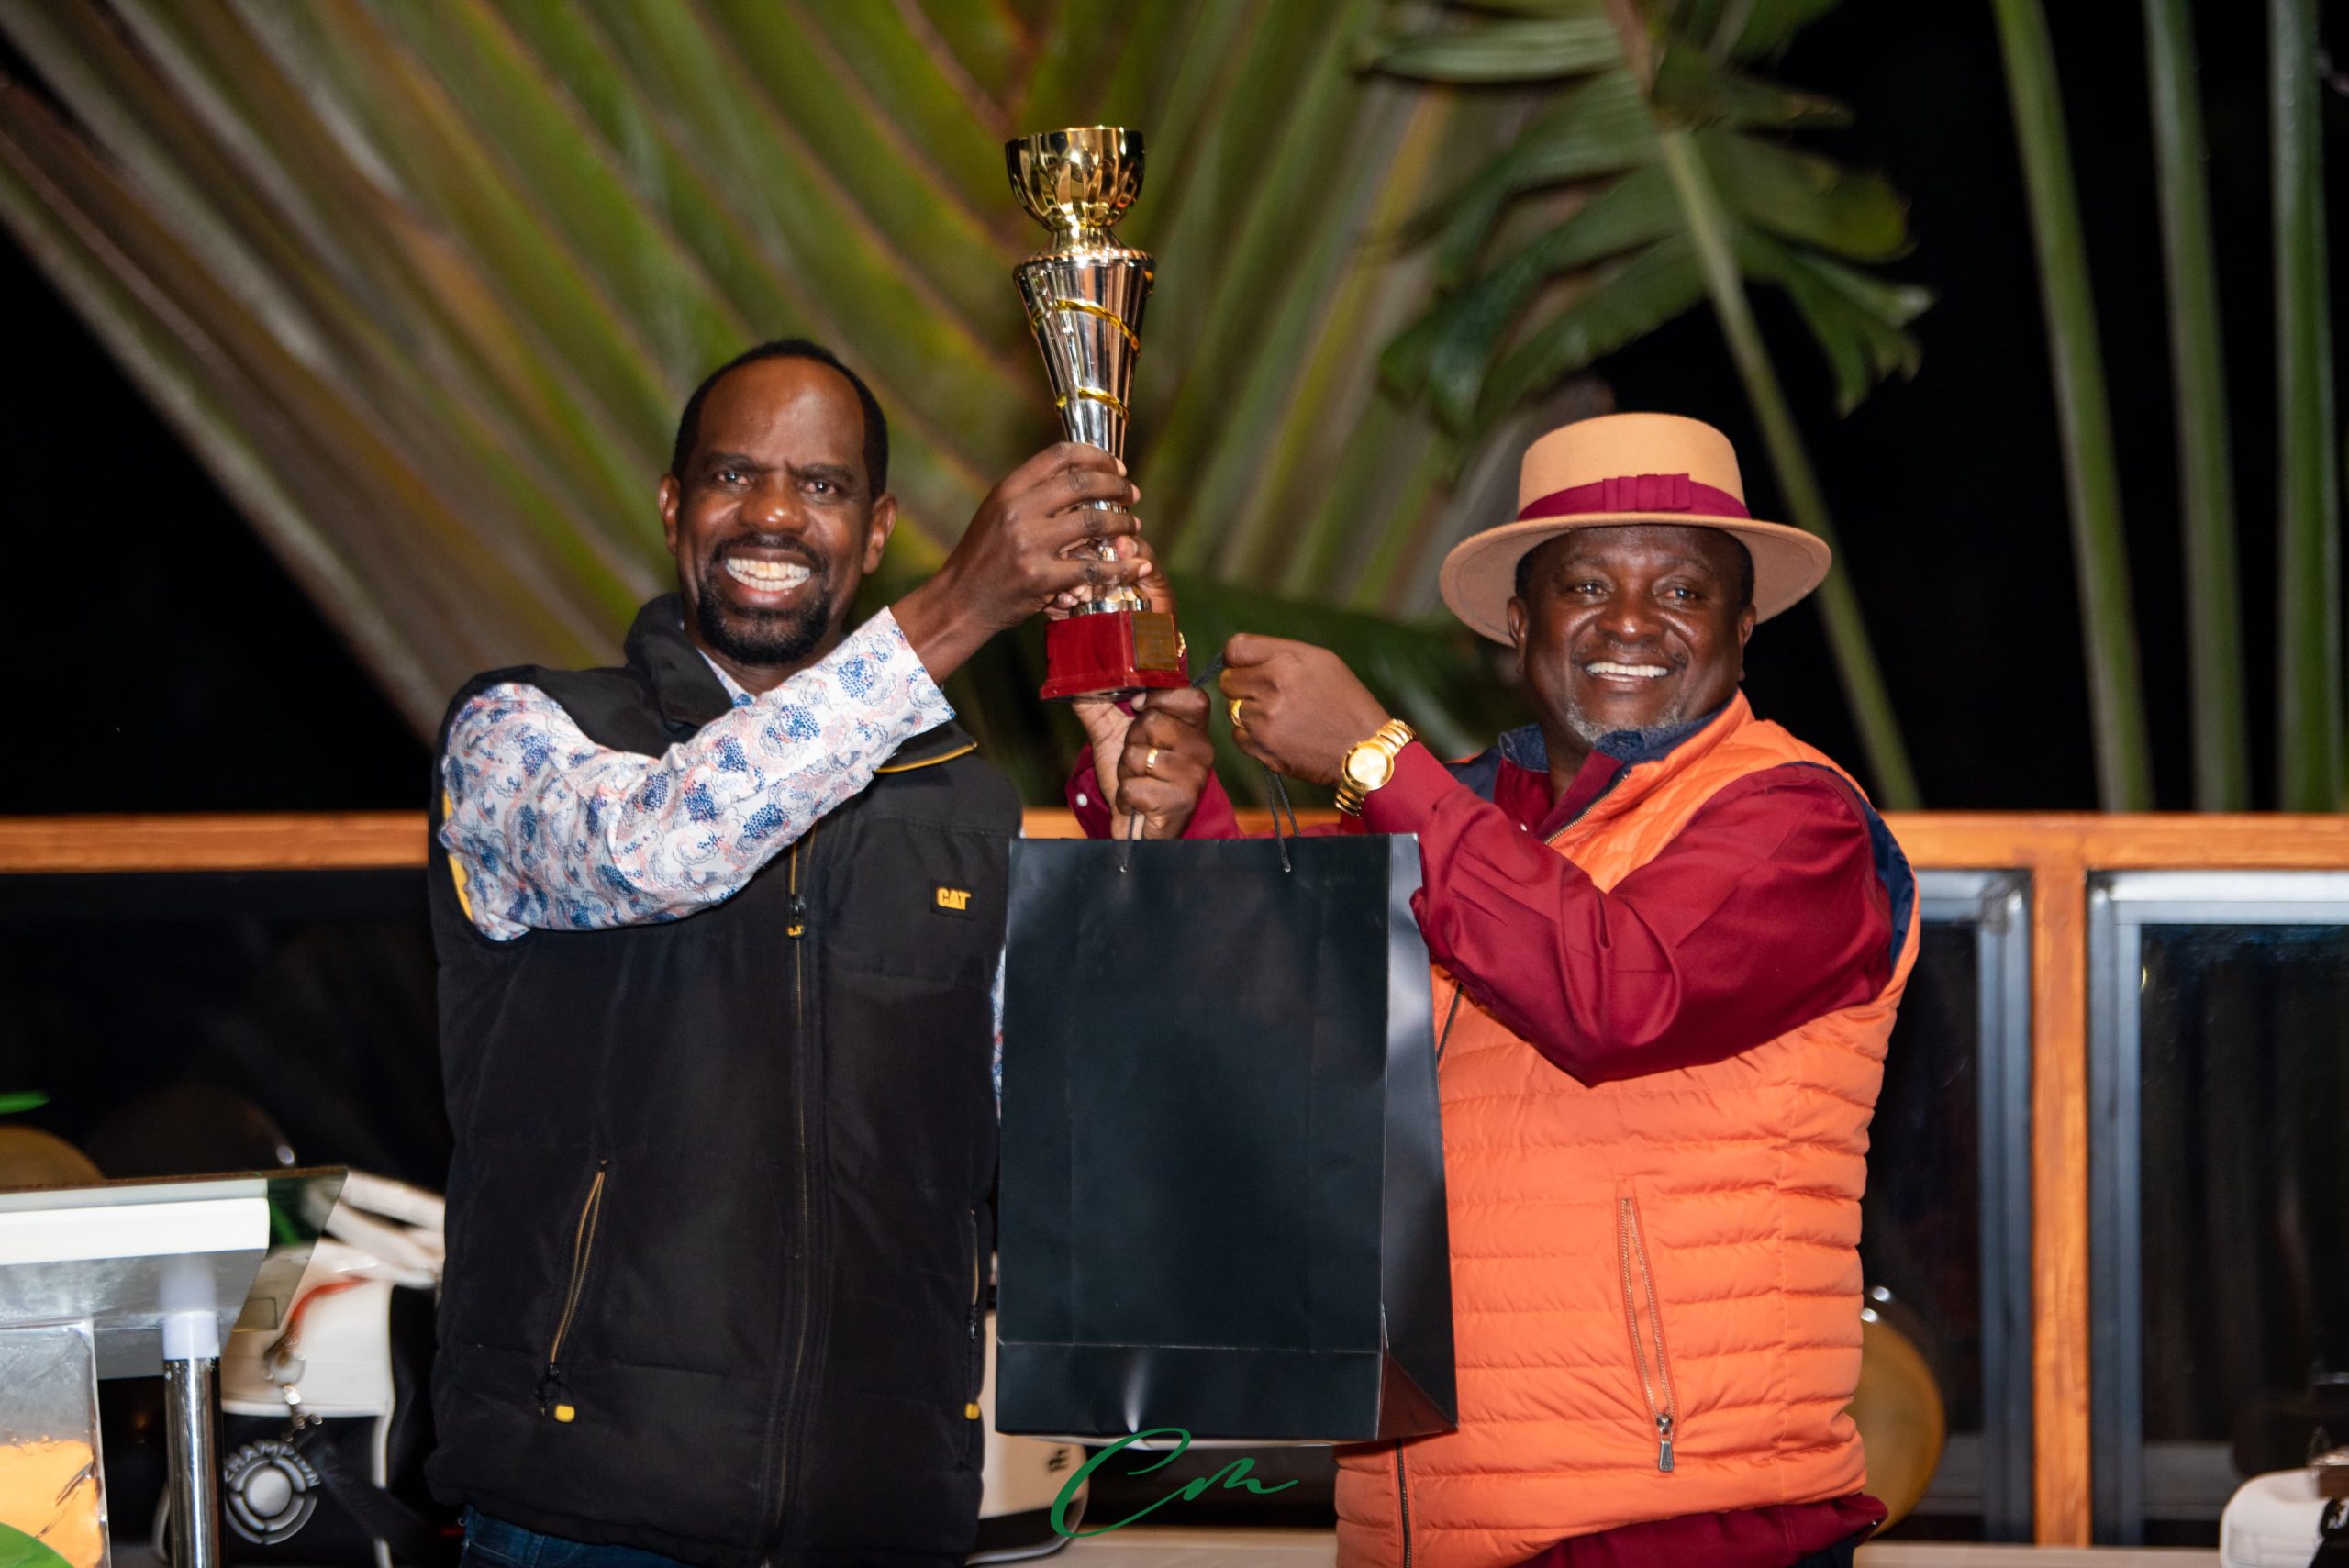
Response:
column 1369, row 763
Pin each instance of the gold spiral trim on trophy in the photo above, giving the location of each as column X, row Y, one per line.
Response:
column 1087, row 308
column 1095, row 394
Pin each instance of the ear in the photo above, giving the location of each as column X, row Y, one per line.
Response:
column 1521, row 620
column 670, row 492
column 1745, row 619
column 877, row 531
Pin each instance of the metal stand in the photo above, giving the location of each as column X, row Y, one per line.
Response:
column 143, row 1274
column 191, row 1437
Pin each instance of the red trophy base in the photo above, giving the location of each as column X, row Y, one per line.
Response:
column 1111, row 653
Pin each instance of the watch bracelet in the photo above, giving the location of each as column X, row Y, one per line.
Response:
column 1395, row 734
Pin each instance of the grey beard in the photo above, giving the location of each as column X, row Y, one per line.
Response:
column 1589, row 731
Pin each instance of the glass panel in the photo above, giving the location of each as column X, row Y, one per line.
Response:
column 52, row 1486
column 2244, row 1056
column 208, row 1022
column 1921, row 1247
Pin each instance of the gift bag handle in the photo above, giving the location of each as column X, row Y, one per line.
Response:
column 1274, row 787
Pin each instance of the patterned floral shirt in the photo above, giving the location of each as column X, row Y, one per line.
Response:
column 553, row 832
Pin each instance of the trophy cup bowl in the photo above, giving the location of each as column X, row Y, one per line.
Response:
column 1085, row 295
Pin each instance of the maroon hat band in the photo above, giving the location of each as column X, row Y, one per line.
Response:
column 1635, row 493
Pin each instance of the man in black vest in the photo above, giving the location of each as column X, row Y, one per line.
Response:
column 718, row 931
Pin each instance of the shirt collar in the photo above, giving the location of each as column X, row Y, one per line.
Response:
column 735, row 692
column 1524, row 747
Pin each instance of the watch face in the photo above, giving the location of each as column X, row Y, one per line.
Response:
column 1366, row 765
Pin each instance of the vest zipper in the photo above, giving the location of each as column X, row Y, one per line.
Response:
column 1403, row 1504
column 583, row 1248
column 802, row 1306
column 1639, row 1293
column 975, row 1367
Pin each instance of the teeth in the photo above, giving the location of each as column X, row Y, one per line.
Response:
column 1638, row 672
column 767, row 574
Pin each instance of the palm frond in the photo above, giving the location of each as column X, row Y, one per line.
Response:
column 424, row 283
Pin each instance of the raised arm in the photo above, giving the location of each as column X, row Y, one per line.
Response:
column 553, row 832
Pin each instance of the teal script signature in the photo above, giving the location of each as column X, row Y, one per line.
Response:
column 1234, row 1474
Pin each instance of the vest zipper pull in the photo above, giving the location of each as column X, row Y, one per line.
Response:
column 1664, row 1444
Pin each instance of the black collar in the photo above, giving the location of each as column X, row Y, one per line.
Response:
column 689, row 690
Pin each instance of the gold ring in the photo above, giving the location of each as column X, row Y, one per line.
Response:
column 1150, row 760
column 1233, row 709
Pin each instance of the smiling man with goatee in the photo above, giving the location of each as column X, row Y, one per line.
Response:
column 1669, row 939
column 718, row 929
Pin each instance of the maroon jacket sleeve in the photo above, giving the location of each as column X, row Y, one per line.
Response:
column 1763, row 912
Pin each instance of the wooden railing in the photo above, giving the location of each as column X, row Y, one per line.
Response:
column 2058, row 851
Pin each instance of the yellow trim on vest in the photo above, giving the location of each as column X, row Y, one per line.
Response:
column 456, row 872
column 927, row 761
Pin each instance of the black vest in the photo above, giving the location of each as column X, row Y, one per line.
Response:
column 719, row 1208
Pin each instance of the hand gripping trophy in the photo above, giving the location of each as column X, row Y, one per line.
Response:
column 1084, row 297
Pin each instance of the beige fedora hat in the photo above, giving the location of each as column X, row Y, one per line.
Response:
column 1627, row 468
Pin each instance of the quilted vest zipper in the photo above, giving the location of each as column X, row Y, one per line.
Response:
column 1646, row 1323
column 974, row 1366
column 583, row 1248
column 1403, row 1504
column 804, row 1286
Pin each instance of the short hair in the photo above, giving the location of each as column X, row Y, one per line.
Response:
column 1744, row 568
column 876, row 429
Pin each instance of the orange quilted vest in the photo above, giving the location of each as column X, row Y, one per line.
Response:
column 1655, row 1282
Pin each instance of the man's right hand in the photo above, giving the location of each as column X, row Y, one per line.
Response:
column 1016, row 555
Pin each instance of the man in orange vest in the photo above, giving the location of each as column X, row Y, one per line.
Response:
column 1669, row 939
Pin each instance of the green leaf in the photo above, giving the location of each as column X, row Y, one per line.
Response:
column 22, row 1100
column 2205, row 463
column 1800, row 196
column 2311, row 763
column 1463, row 331
column 1598, row 127
column 1856, row 319
column 2084, row 413
column 1581, row 40
column 18, row 1550
column 1628, row 301
column 1693, row 88
column 1770, row 24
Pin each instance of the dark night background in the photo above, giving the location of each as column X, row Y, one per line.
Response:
column 184, row 670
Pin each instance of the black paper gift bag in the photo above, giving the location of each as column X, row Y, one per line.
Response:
column 1222, row 1181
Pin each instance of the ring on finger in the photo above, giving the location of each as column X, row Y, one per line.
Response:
column 1149, row 761
column 1232, row 708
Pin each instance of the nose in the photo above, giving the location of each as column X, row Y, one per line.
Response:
column 774, row 507
column 1630, row 616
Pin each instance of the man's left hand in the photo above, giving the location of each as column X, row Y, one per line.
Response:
column 1301, row 709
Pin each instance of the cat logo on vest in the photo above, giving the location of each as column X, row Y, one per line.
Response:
column 954, row 900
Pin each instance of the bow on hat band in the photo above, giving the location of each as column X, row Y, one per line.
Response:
column 1635, row 493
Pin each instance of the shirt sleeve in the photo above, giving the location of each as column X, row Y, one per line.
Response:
column 551, row 831
column 1765, row 912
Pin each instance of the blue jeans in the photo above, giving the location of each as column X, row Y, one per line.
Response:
column 494, row 1543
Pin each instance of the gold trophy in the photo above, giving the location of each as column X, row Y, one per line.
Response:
column 1084, row 297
